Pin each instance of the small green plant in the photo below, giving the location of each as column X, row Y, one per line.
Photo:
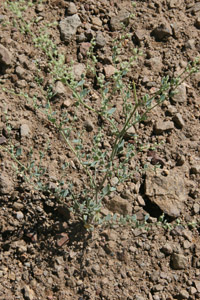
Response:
column 99, row 165
column 167, row 225
column 162, row 221
column 18, row 8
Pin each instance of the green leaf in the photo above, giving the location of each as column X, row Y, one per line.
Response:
column 93, row 164
column 108, row 218
column 162, row 98
column 64, row 193
column 173, row 93
column 85, row 217
column 83, row 93
column 76, row 141
column 105, row 91
column 52, row 120
column 106, row 190
column 32, row 164
column 19, row 152
column 120, row 146
column 134, row 218
column 111, row 111
column 114, row 217
column 40, row 185
column 124, row 72
column 80, row 83
column 164, row 80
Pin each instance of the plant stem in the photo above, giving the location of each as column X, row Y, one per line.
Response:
column 76, row 154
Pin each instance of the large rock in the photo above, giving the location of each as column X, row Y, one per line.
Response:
column 179, row 262
column 119, row 205
column 163, row 31
column 59, row 88
column 28, row 293
column 195, row 8
column 100, row 40
column 155, row 63
column 178, row 120
column 24, row 130
column 109, row 71
column 197, row 23
column 96, row 21
column 79, row 69
column 5, row 58
column 167, row 192
column 197, row 284
column 180, row 95
column 84, row 48
column 68, row 27
column 163, row 126
column 174, row 3
column 116, row 21
column 71, row 9
column 6, row 185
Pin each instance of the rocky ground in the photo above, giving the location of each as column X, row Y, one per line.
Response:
column 45, row 251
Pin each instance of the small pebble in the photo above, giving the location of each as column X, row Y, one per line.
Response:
column 196, row 208
column 19, row 215
column 88, row 125
column 24, row 130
